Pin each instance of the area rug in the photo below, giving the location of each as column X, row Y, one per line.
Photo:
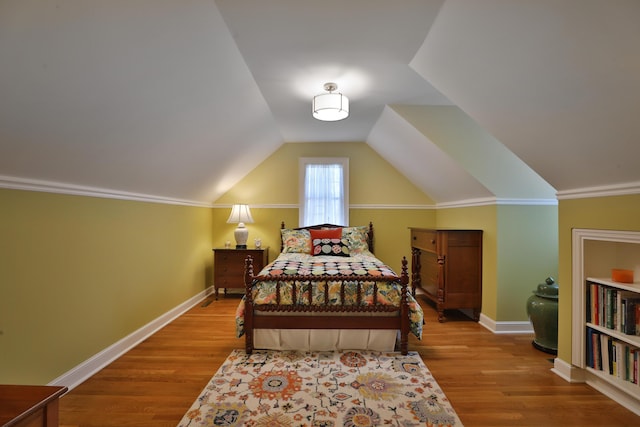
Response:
column 321, row 389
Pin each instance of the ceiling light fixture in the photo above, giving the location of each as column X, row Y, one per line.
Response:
column 330, row 107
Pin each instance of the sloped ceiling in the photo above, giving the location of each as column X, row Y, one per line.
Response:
column 410, row 151
column 146, row 97
column 178, row 100
column 557, row 82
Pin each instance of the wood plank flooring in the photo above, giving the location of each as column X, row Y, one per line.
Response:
column 491, row 380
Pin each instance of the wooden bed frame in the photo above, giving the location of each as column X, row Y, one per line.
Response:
column 293, row 316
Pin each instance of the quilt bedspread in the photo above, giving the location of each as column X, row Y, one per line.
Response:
column 349, row 270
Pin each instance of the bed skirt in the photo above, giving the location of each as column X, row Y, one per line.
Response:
column 324, row 339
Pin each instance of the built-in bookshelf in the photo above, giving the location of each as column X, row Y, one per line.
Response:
column 606, row 314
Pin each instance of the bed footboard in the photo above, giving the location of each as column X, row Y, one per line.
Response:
column 326, row 313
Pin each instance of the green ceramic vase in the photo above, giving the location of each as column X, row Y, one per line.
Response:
column 542, row 308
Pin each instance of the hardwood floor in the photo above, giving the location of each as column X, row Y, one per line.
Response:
column 491, row 380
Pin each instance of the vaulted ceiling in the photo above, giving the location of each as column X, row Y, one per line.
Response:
column 179, row 100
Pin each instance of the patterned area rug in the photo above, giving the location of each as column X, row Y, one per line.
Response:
column 321, row 389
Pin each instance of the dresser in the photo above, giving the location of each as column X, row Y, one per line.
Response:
column 447, row 266
column 29, row 405
column 228, row 266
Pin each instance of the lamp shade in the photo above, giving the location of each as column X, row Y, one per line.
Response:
column 332, row 106
column 240, row 214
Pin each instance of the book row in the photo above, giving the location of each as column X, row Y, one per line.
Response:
column 612, row 356
column 613, row 308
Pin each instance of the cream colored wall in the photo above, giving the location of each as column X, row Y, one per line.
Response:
column 606, row 213
column 77, row 274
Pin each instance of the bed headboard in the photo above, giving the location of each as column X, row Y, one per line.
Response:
column 321, row 226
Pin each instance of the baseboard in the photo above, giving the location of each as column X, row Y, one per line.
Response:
column 520, row 327
column 89, row 367
column 629, row 401
column 567, row 371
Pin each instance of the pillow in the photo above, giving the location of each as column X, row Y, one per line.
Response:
column 357, row 238
column 328, row 242
column 295, row 241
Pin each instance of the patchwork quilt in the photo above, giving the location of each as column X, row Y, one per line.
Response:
column 318, row 271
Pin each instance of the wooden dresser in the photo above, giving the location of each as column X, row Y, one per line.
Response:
column 447, row 266
column 228, row 266
column 29, row 405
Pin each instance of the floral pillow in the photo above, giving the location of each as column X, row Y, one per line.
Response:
column 328, row 242
column 357, row 238
column 295, row 241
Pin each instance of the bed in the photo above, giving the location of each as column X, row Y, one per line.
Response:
column 327, row 291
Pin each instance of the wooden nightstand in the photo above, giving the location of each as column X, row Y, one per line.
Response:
column 228, row 266
column 29, row 405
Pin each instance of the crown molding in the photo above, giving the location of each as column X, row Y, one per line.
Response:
column 625, row 189
column 14, row 183
column 489, row 201
column 353, row 206
column 389, row 206
column 527, row 202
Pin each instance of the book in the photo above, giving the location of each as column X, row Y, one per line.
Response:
column 595, row 306
column 628, row 306
column 597, row 351
column 605, row 353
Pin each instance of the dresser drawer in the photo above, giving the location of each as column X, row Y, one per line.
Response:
column 231, row 265
column 424, row 239
column 228, row 266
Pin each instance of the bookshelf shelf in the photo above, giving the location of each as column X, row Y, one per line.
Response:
column 629, row 339
column 615, row 381
column 608, row 357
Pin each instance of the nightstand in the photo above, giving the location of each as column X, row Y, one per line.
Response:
column 228, row 266
column 30, row 405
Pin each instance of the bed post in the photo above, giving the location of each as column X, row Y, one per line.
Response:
column 370, row 239
column 404, row 308
column 248, row 305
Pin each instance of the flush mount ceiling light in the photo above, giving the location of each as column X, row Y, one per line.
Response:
column 330, row 107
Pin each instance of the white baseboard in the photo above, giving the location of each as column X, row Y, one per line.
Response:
column 575, row 374
column 89, row 367
column 567, row 371
column 520, row 327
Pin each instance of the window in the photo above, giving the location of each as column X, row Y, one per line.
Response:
column 324, row 195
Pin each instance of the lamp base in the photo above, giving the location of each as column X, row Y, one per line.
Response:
column 241, row 233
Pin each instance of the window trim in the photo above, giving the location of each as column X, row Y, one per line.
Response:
column 302, row 163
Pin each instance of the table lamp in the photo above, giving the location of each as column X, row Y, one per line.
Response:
column 240, row 214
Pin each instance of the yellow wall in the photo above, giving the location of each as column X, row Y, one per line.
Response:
column 605, row 213
column 77, row 274
column 519, row 245
column 391, row 229
column 519, row 250
column 372, row 180
column 478, row 218
column 527, row 253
